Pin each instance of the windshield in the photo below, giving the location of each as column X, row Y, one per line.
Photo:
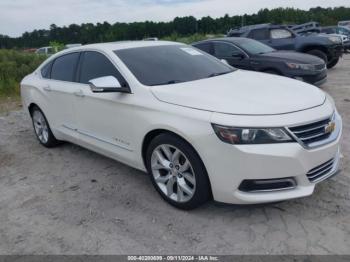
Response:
column 254, row 47
column 170, row 64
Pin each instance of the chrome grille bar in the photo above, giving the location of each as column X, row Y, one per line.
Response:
column 320, row 172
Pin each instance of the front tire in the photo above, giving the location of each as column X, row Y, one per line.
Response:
column 42, row 128
column 319, row 54
column 333, row 63
column 177, row 172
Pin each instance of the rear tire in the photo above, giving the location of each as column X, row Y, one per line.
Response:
column 333, row 63
column 319, row 54
column 177, row 172
column 42, row 129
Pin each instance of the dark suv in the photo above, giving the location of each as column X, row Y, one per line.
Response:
column 329, row 48
column 341, row 30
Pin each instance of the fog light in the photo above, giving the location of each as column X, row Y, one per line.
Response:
column 267, row 185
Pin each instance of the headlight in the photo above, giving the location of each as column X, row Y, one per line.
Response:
column 335, row 39
column 242, row 136
column 307, row 67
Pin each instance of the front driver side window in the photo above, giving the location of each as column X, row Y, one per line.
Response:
column 280, row 34
column 95, row 65
column 225, row 50
column 206, row 47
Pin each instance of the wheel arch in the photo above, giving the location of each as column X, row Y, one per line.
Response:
column 156, row 132
column 308, row 48
column 31, row 106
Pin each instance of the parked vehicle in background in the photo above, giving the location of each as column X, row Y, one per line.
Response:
column 310, row 27
column 344, row 31
column 328, row 48
column 47, row 50
column 199, row 127
column 313, row 28
column 30, row 50
column 341, row 30
column 344, row 23
column 151, row 39
column 249, row 54
column 72, row 46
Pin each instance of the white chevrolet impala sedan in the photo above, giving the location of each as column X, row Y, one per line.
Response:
column 199, row 127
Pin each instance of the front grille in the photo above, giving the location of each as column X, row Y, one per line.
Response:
column 313, row 132
column 321, row 171
column 320, row 67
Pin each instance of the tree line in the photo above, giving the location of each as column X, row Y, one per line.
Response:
column 180, row 26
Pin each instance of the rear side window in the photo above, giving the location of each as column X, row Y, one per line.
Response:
column 259, row 34
column 95, row 65
column 64, row 67
column 46, row 70
column 206, row 47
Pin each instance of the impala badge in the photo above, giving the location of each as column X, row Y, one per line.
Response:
column 329, row 128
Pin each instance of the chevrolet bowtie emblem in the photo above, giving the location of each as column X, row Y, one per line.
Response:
column 329, row 128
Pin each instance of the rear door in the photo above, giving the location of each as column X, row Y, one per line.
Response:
column 61, row 90
column 232, row 54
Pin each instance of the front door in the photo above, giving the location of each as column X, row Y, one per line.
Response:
column 232, row 54
column 282, row 39
column 104, row 122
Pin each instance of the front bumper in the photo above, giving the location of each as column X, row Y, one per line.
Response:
column 347, row 47
column 230, row 165
column 335, row 51
column 316, row 78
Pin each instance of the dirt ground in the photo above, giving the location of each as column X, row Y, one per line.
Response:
column 69, row 200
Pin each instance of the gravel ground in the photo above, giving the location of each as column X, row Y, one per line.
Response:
column 69, row 200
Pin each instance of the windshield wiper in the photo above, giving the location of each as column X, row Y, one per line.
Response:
column 219, row 74
column 170, row 82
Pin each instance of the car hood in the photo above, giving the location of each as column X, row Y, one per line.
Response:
column 243, row 93
column 296, row 57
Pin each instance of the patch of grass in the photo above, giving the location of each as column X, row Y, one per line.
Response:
column 8, row 104
column 14, row 66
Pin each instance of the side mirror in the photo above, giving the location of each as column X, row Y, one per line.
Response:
column 238, row 56
column 107, row 84
column 224, row 61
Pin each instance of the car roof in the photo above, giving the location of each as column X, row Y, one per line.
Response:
column 109, row 47
column 248, row 28
column 113, row 46
column 234, row 40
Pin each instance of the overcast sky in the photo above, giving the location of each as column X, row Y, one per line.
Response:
column 18, row 16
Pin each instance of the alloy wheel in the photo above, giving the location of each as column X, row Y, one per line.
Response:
column 173, row 173
column 40, row 126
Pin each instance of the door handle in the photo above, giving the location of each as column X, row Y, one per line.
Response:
column 47, row 88
column 79, row 93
